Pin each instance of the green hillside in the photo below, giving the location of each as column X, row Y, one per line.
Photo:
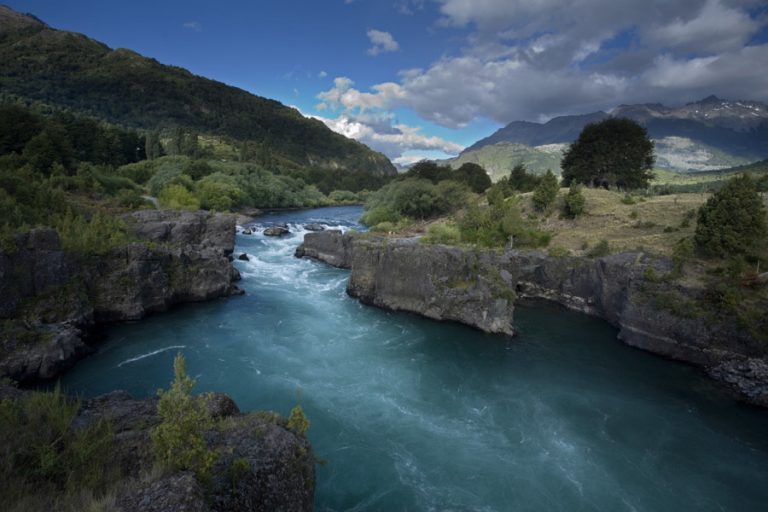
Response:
column 499, row 159
column 70, row 70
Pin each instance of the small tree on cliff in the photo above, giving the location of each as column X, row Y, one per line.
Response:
column 178, row 439
column 611, row 153
column 732, row 222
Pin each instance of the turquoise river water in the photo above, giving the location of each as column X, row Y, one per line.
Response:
column 413, row 414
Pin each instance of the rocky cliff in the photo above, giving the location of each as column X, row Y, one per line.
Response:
column 261, row 464
column 479, row 287
column 52, row 299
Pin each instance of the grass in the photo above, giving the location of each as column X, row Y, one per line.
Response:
column 626, row 226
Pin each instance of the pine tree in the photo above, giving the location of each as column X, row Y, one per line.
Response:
column 546, row 192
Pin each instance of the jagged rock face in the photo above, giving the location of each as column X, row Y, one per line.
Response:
column 188, row 260
column 443, row 283
column 275, row 472
column 478, row 288
column 37, row 265
column 330, row 246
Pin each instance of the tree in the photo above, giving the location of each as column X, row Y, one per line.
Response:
column 474, row 176
column 179, row 438
column 575, row 201
column 429, row 171
column 521, row 180
column 611, row 153
column 546, row 191
column 732, row 222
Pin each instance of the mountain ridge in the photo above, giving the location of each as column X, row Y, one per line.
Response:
column 72, row 71
column 708, row 134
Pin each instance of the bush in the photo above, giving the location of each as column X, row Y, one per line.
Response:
column 298, row 421
column 473, row 176
column 178, row 198
column 442, row 233
column 416, row 198
column 343, row 197
column 499, row 225
column 575, row 202
column 546, row 192
column 46, row 455
column 179, row 440
column 218, row 192
column 732, row 222
column 603, row 248
column 96, row 236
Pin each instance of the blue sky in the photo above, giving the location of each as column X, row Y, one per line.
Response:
column 417, row 78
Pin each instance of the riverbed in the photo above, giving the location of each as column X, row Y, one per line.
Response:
column 411, row 414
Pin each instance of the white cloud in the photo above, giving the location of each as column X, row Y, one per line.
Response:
column 393, row 139
column 322, row 74
column 530, row 60
column 382, row 42
column 192, row 25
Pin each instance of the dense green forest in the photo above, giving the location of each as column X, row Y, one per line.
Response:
column 72, row 71
column 74, row 173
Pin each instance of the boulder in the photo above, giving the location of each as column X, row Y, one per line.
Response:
column 243, row 257
column 276, row 231
column 314, row 227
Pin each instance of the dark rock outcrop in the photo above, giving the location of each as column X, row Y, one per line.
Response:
column 183, row 257
column 244, row 257
column 275, row 468
column 279, row 230
column 314, row 227
column 478, row 288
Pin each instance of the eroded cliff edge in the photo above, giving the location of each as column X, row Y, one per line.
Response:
column 479, row 288
column 50, row 300
column 261, row 463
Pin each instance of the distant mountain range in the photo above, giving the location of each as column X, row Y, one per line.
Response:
column 705, row 135
column 73, row 72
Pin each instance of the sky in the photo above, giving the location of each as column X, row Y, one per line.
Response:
column 426, row 78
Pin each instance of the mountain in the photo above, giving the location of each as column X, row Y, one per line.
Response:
column 499, row 159
column 555, row 131
column 71, row 71
column 705, row 135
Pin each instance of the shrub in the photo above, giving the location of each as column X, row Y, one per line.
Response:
column 546, row 192
column 732, row 221
column 603, row 248
column 473, row 176
column 298, row 421
column 498, row 225
column 178, row 198
column 343, row 197
column 179, row 438
column 558, row 252
column 96, row 236
column 575, row 202
column 45, row 454
column 442, row 233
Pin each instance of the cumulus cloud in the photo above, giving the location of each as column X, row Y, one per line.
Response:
column 530, row 60
column 381, row 133
column 382, row 42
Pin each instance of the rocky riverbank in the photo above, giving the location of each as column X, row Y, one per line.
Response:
column 261, row 464
column 52, row 299
column 479, row 288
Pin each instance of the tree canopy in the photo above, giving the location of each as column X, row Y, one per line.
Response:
column 732, row 222
column 611, row 153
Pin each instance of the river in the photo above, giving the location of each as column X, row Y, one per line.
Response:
column 412, row 414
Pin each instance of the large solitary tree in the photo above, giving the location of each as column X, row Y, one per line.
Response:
column 611, row 153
